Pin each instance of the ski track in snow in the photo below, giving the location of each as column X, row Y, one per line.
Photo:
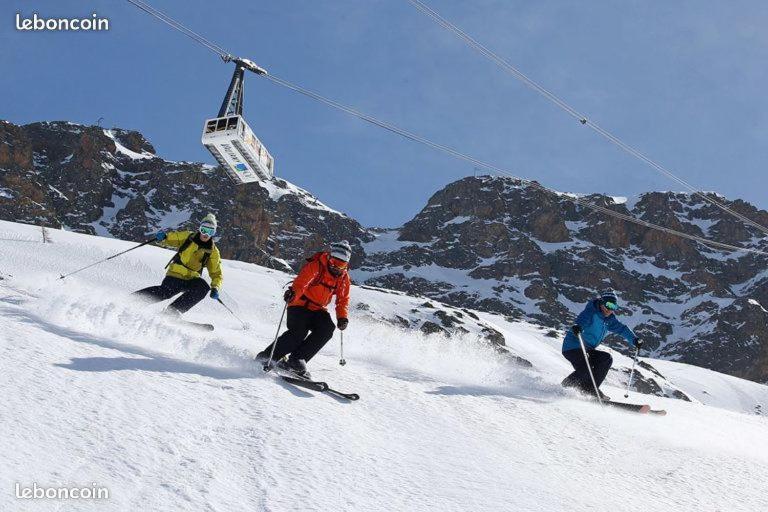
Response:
column 98, row 388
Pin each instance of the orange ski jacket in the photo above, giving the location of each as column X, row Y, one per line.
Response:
column 315, row 286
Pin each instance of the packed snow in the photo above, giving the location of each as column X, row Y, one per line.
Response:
column 100, row 390
column 144, row 155
column 279, row 188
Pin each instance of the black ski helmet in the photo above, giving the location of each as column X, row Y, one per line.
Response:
column 610, row 297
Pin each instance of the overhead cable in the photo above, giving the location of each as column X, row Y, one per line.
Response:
column 218, row 50
column 437, row 146
column 583, row 119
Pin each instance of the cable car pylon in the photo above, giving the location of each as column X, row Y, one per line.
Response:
column 229, row 138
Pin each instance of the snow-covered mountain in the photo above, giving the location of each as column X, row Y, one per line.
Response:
column 99, row 390
column 485, row 243
column 498, row 244
column 111, row 183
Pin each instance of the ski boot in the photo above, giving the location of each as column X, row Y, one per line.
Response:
column 589, row 391
column 263, row 359
column 603, row 396
column 297, row 367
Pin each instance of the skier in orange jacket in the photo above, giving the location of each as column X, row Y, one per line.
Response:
column 309, row 324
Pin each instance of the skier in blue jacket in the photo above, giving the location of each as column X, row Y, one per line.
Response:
column 594, row 323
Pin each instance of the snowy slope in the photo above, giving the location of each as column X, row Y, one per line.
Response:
column 506, row 246
column 97, row 389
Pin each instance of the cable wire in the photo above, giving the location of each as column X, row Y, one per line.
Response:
column 457, row 154
column 441, row 147
column 218, row 50
column 584, row 120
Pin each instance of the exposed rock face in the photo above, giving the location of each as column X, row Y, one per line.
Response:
column 111, row 183
column 499, row 245
column 493, row 244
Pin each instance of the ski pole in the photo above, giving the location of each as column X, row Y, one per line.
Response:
column 589, row 369
column 632, row 373
column 245, row 324
column 107, row 259
column 342, row 361
column 268, row 365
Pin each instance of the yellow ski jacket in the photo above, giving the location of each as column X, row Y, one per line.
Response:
column 195, row 254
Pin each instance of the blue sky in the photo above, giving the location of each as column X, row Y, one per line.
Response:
column 683, row 81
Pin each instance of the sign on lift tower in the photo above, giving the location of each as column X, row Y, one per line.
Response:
column 229, row 138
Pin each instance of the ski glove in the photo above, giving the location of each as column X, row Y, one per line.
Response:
column 289, row 295
column 214, row 294
column 638, row 343
column 576, row 329
column 160, row 236
column 342, row 323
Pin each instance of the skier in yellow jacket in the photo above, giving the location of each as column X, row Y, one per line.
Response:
column 195, row 251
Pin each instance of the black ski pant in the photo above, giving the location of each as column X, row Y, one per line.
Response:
column 308, row 332
column 599, row 361
column 194, row 290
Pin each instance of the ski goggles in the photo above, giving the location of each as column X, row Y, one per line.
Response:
column 611, row 305
column 205, row 230
column 337, row 263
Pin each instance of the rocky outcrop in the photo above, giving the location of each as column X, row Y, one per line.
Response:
column 501, row 245
column 111, row 183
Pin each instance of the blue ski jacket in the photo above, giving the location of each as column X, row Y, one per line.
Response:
column 595, row 327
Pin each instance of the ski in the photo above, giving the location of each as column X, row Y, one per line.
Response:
column 305, row 383
column 320, row 386
column 639, row 408
column 313, row 385
column 193, row 325
column 201, row 326
column 348, row 396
